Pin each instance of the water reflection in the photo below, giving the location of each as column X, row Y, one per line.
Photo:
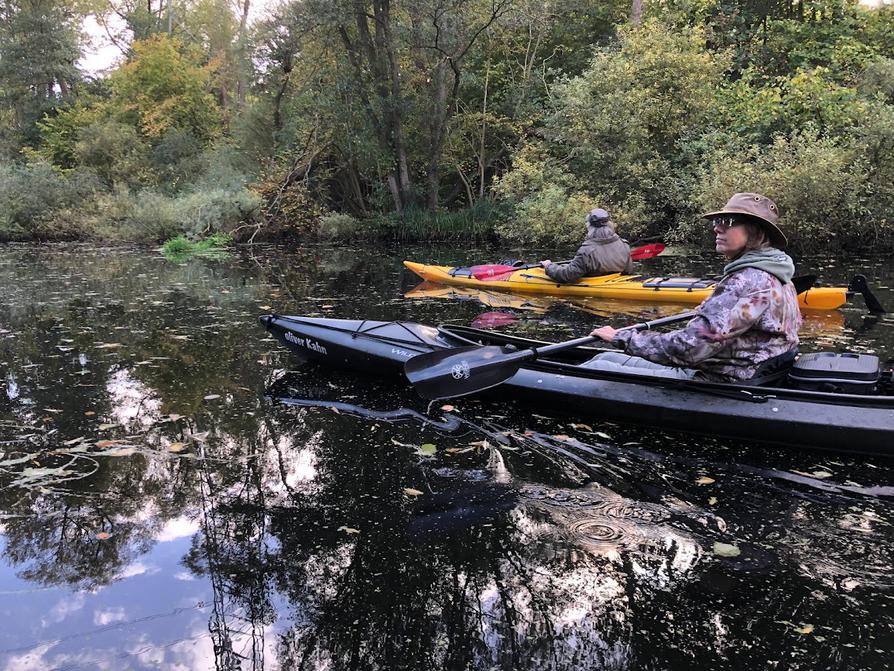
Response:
column 175, row 490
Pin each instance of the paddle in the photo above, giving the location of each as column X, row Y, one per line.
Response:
column 466, row 370
column 498, row 271
column 859, row 285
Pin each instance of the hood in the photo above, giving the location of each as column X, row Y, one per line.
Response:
column 770, row 260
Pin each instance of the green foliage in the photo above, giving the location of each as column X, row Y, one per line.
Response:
column 338, row 226
column 819, row 183
column 163, row 89
column 181, row 247
column 39, row 46
column 616, row 134
column 473, row 223
column 787, row 104
column 33, row 198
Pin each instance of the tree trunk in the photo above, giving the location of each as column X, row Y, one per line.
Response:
column 636, row 12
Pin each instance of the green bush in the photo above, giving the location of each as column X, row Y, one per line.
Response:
column 338, row 226
column 33, row 196
column 819, row 184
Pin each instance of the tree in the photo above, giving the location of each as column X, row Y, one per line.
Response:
column 39, row 46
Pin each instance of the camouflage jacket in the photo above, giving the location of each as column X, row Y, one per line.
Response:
column 749, row 318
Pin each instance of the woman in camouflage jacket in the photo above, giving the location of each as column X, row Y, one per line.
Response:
column 751, row 317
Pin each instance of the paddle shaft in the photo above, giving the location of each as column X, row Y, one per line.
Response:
column 642, row 326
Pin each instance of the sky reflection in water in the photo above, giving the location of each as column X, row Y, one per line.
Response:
column 160, row 509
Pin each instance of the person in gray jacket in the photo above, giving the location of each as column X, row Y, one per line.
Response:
column 602, row 252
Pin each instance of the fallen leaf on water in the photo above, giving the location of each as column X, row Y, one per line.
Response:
column 821, row 474
column 582, row 427
column 103, row 427
column 109, row 345
column 176, row 447
column 428, row 449
column 409, row 491
column 89, row 413
column 397, row 442
column 106, row 443
column 712, row 501
column 349, row 530
column 122, row 451
column 726, row 550
column 211, row 397
column 806, row 629
column 103, row 535
column 604, row 436
column 460, row 450
column 73, row 441
column 561, row 436
column 705, row 480
column 447, row 408
column 266, row 307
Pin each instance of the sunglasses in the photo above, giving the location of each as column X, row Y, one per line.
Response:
column 725, row 223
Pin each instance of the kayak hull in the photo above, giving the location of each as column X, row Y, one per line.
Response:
column 690, row 291
column 782, row 416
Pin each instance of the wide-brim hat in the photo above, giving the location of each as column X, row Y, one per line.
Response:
column 759, row 208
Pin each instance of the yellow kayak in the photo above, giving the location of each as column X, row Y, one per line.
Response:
column 688, row 290
column 826, row 323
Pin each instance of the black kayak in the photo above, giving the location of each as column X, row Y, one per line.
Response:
column 840, row 402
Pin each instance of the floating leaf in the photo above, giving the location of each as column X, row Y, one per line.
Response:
column 726, row 550
column 428, row 449
column 409, row 491
column 447, row 408
column 176, row 447
column 582, row 427
column 712, row 501
column 89, row 413
column 211, row 397
column 460, row 450
column 73, row 441
column 349, row 530
column 821, row 475
column 106, row 443
column 705, row 480
column 109, row 345
column 103, row 427
column 266, row 307
column 120, row 451
column 806, row 629
column 562, row 436
column 103, row 535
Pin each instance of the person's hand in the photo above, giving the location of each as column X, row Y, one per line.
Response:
column 607, row 333
column 545, row 263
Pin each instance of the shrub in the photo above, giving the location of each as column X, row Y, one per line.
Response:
column 338, row 226
column 818, row 183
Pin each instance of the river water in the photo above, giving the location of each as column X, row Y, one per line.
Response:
column 176, row 492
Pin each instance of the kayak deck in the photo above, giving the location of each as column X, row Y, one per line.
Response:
column 687, row 290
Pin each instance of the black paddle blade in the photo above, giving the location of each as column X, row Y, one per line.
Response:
column 860, row 285
column 803, row 283
column 461, row 371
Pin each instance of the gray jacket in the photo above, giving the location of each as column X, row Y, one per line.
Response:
column 602, row 252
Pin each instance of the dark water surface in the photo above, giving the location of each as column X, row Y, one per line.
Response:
column 159, row 511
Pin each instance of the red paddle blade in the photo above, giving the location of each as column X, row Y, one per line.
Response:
column 647, row 251
column 490, row 271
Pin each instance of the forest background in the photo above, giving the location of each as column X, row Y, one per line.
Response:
column 463, row 119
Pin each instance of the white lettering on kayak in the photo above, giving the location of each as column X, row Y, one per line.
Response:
column 402, row 352
column 306, row 343
column 460, row 371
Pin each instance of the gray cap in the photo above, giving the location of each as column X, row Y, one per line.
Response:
column 597, row 217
